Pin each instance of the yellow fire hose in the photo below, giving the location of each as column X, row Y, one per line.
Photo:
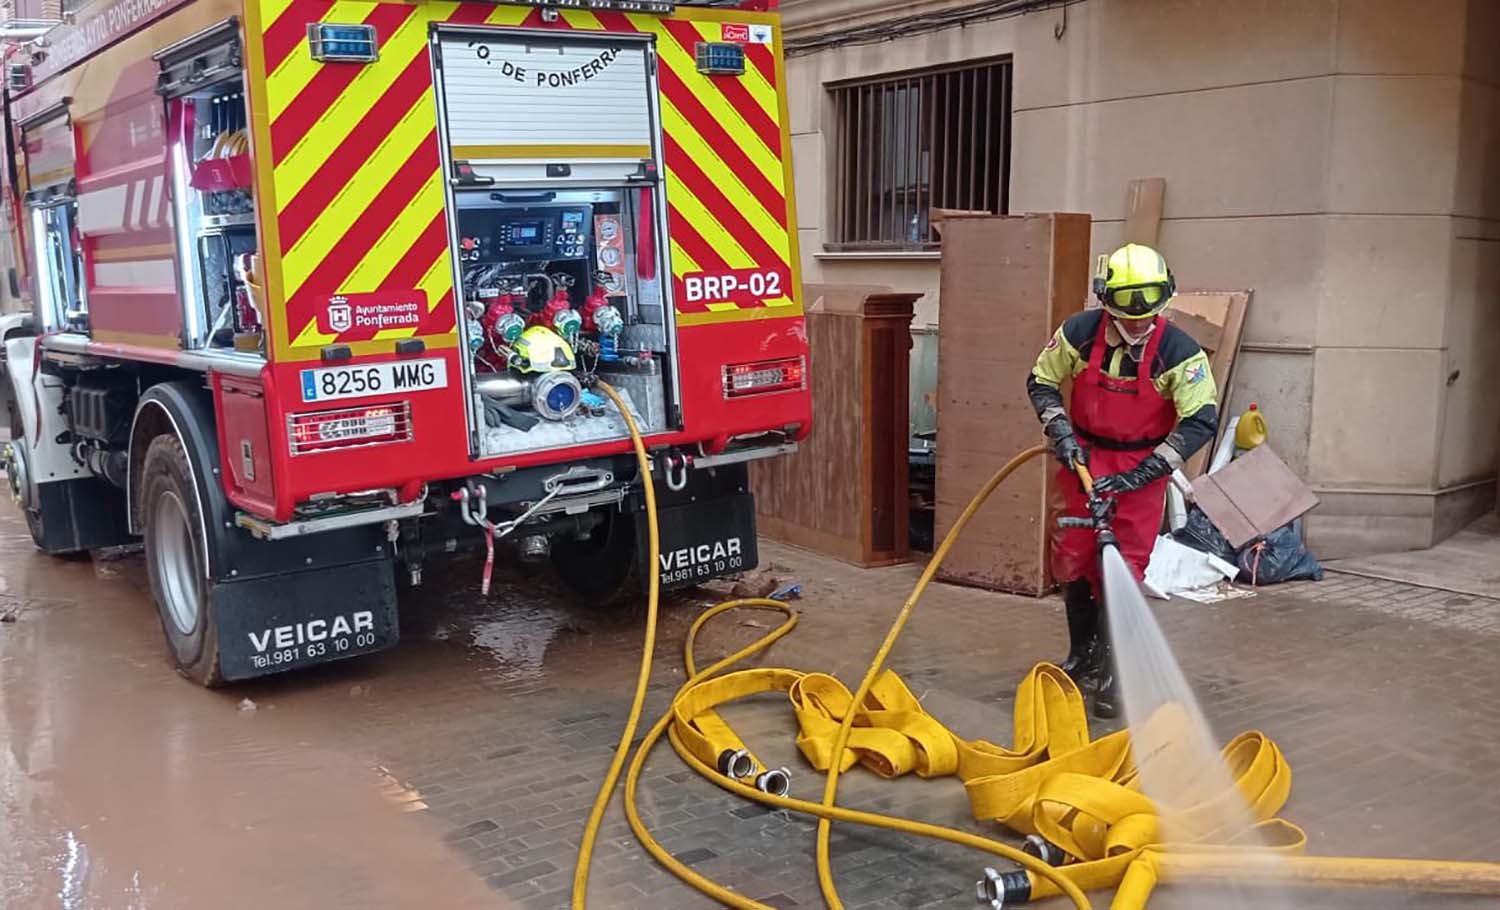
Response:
column 1082, row 797
column 643, row 678
column 841, row 739
column 1259, row 869
column 606, row 787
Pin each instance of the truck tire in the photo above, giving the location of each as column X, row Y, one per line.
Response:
column 33, row 515
column 600, row 571
column 66, row 518
column 174, row 561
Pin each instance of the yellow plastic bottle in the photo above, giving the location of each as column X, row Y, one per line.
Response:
column 1251, row 430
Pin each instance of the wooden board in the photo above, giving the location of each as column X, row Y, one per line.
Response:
column 1215, row 319
column 1143, row 206
column 844, row 492
column 1007, row 283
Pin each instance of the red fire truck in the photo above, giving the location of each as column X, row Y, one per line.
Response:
column 319, row 291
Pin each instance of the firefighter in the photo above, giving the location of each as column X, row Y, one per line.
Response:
column 1143, row 402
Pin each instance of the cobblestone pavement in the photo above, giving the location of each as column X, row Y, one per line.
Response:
column 1370, row 687
column 494, row 719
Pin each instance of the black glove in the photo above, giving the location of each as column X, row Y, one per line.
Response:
column 1064, row 444
column 1152, row 469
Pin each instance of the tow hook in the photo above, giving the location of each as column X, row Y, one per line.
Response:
column 674, row 468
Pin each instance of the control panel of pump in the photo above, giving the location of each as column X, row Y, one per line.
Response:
column 529, row 233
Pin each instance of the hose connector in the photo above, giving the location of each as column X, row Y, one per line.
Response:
column 1044, row 850
column 1003, row 889
column 775, row 781
column 736, row 763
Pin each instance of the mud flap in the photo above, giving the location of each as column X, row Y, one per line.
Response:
column 702, row 540
column 82, row 513
column 285, row 622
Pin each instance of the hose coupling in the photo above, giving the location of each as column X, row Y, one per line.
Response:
column 1044, row 850
column 736, row 763
column 775, row 781
column 1003, row 889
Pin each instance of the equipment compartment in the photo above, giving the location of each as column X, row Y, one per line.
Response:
column 208, row 134
column 553, row 147
column 559, row 286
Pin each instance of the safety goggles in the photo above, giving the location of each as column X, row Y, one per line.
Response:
column 1137, row 300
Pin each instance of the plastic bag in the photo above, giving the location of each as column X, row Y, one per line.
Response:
column 1278, row 556
column 1200, row 534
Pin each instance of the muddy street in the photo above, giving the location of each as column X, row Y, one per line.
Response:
column 124, row 786
column 456, row 770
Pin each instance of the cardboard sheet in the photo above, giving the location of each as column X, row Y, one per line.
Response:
column 1253, row 495
column 1214, row 319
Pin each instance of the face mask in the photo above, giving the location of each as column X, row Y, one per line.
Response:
column 1134, row 340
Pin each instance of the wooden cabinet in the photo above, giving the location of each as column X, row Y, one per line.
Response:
column 1007, row 283
column 844, row 492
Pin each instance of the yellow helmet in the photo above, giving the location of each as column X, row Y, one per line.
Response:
column 1134, row 282
column 541, row 350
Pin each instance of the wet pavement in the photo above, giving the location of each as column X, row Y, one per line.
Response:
column 457, row 769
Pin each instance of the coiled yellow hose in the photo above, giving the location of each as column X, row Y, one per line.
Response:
column 841, row 741
column 1136, row 870
column 826, row 811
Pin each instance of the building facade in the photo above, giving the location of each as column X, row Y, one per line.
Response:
column 1339, row 157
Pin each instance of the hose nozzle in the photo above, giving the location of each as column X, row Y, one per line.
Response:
column 775, row 781
column 1003, row 889
column 736, row 763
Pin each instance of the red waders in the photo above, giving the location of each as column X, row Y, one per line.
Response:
column 1119, row 422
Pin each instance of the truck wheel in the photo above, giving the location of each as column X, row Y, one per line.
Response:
column 600, row 570
column 17, row 465
column 174, row 560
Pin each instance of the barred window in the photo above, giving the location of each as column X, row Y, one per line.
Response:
column 909, row 143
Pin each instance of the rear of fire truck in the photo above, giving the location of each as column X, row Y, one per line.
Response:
column 321, row 293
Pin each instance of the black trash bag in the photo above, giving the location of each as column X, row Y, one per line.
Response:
column 1200, row 534
column 1278, row 556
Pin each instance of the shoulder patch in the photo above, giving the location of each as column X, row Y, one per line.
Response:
column 1196, row 373
column 1052, row 343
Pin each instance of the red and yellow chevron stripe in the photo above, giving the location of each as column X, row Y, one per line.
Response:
column 354, row 177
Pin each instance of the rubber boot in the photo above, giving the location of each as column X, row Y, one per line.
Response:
column 1106, row 685
column 1083, row 627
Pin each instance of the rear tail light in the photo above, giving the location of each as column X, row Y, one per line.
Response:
column 319, row 431
column 742, row 379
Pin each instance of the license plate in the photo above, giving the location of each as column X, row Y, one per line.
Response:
column 705, row 540
column 333, row 383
